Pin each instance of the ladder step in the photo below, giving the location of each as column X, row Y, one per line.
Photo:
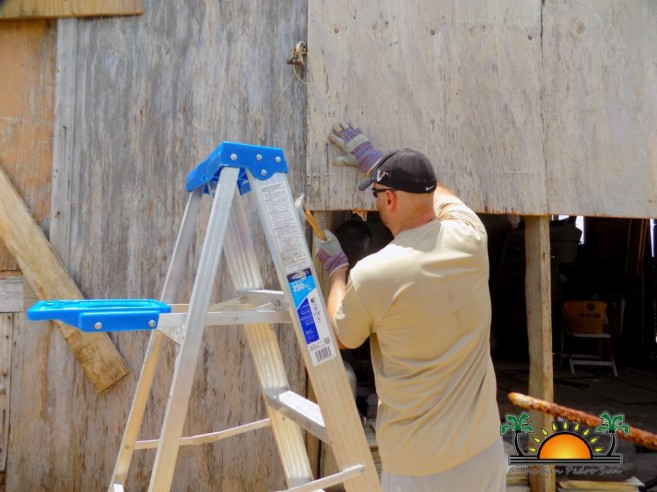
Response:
column 209, row 437
column 300, row 410
column 213, row 318
column 275, row 299
column 340, row 477
column 172, row 324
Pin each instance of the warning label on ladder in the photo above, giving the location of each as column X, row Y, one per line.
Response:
column 285, row 224
column 296, row 262
column 313, row 323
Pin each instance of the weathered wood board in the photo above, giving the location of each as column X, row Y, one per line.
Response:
column 519, row 111
column 600, row 107
column 143, row 100
column 11, row 292
column 27, row 86
column 455, row 80
column 6, row 334
column 30, row 9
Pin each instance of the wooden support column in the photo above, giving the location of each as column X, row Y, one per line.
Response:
column 539, row 329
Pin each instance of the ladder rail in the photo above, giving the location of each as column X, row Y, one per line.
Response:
column 186, row 361
column 180, row 250
column 344, row 429
column 245, row 272
column 147, row 373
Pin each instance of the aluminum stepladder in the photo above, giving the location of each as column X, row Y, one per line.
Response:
column 334, row 419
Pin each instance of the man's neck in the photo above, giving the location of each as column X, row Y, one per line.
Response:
column 414, row 222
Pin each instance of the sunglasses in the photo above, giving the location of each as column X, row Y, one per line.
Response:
column 376, row 191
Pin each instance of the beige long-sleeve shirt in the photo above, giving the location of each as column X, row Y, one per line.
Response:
column 424, row 302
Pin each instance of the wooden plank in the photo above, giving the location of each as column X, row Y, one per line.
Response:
column 63, row 136
column 46, row 401
column 27, row 58
column 539, row 328
column 48, row 278
column 31, row 9
column 459, row 81
column 6, row 333
column 495, row 152
column 525, row 107
column 149, row 98
column 601, row 107
column 11, row 292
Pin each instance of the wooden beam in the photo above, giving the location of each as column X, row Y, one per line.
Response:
column 539, row 328
column 45, row 273
column 39, row 9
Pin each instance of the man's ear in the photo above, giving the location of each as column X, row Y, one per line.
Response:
column 391, row 200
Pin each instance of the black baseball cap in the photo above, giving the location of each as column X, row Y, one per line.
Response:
column 403, row 170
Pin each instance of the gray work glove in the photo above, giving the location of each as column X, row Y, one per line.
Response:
column 330, row 252
column 356, row 145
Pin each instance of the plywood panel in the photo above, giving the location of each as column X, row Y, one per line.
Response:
column 27, row 58
column 457, row 80
column 601, row 107
column 11, row 292
column 27, row 9
column 525, row 107
column 44, row 399
column 6, row 334
column 144, row 99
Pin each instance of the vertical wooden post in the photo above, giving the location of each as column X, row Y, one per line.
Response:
column 539, row 329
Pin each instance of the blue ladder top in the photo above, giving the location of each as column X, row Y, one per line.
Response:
column 262, row 162
column 99, row 315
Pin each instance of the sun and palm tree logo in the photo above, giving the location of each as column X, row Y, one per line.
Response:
column 571, row 444
column 519, row 425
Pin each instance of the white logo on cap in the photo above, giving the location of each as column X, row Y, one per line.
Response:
column 428, row 188
column 380, row 175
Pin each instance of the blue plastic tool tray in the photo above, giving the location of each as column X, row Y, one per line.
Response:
column 98, row 315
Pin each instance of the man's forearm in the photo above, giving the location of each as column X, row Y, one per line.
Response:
column 337, row 289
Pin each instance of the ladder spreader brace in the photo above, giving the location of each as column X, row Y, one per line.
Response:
column 333, row 419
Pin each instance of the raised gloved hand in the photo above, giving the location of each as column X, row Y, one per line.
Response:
column 356, row 145
column 330, row 252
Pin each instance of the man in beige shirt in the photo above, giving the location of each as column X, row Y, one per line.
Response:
column 423, row 301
